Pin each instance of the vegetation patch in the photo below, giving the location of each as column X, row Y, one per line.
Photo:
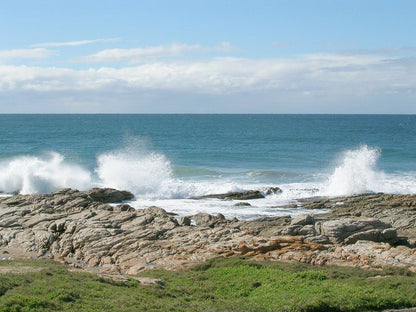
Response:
column 217, row 285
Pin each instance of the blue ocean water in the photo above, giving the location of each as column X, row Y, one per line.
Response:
column 166, row 159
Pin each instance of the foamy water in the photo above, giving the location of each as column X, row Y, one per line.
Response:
column 41, row 174
column 150, row 176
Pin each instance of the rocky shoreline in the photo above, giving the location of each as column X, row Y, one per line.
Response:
column 82, row 229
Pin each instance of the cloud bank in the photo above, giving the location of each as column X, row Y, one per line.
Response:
column 161, row 79
column 316, row 73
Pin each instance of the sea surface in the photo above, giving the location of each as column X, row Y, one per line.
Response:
column 167, row 159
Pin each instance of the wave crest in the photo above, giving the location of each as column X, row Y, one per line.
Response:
column 41, row 174
column 356, row 174
column 145, row 174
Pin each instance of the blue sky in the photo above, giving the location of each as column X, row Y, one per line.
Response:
column 208, row 56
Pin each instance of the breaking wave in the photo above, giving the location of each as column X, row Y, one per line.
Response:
column 357, row 173
column 145, row 174
column 41, row 174
column 151, row 176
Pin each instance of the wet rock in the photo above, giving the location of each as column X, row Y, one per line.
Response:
column 239, row 204
column 272, row 190
column 109, row 195
column 252, row 194
column 289, row 206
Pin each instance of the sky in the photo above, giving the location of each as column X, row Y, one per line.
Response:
column 199, row 56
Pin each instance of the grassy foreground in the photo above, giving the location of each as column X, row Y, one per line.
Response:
column 218, row 285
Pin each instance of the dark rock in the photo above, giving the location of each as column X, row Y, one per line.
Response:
column 109, row 195
column 220, row 216
column 272, row 190
column 242, row 204
column 252, row 194
column 289, row 206
column 65, row 191
column 184, row 221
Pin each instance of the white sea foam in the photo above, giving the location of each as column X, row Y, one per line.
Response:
column 357, row 173
column 151, row 177
column 145, row 174
column 266, row 207
column 41, row 174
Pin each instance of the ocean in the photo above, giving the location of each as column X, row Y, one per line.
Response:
column 167, row 159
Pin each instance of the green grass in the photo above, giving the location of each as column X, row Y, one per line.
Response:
column 217, row 285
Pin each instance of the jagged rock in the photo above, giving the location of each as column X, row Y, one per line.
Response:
column 303, row 219
column 184, row 221
column 156, row 211
column 124, row 207
column 78, row 228
column 351, row 230
column 65, row 191
column 375, row 235
column 108, row 195
column 302, row 230
column 205, row 219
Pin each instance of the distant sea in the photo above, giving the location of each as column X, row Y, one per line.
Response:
column 166, row 159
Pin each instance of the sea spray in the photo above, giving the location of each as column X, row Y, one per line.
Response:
column 41, row 174
column 356, row 174
column 149, row 176
column 143, row 173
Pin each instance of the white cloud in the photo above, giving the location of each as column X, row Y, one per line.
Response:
column 140, row 54
column 305, row 81
column 35, row 53
column 72, row 43
column 220, row 75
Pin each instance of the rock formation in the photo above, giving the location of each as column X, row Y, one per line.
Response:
column 82, row 229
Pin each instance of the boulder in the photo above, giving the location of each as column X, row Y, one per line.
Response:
column 108, row 195
column 303, row 219
column 351, row 230
column 272, row 190
column 205, row 219
column 376, row 235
